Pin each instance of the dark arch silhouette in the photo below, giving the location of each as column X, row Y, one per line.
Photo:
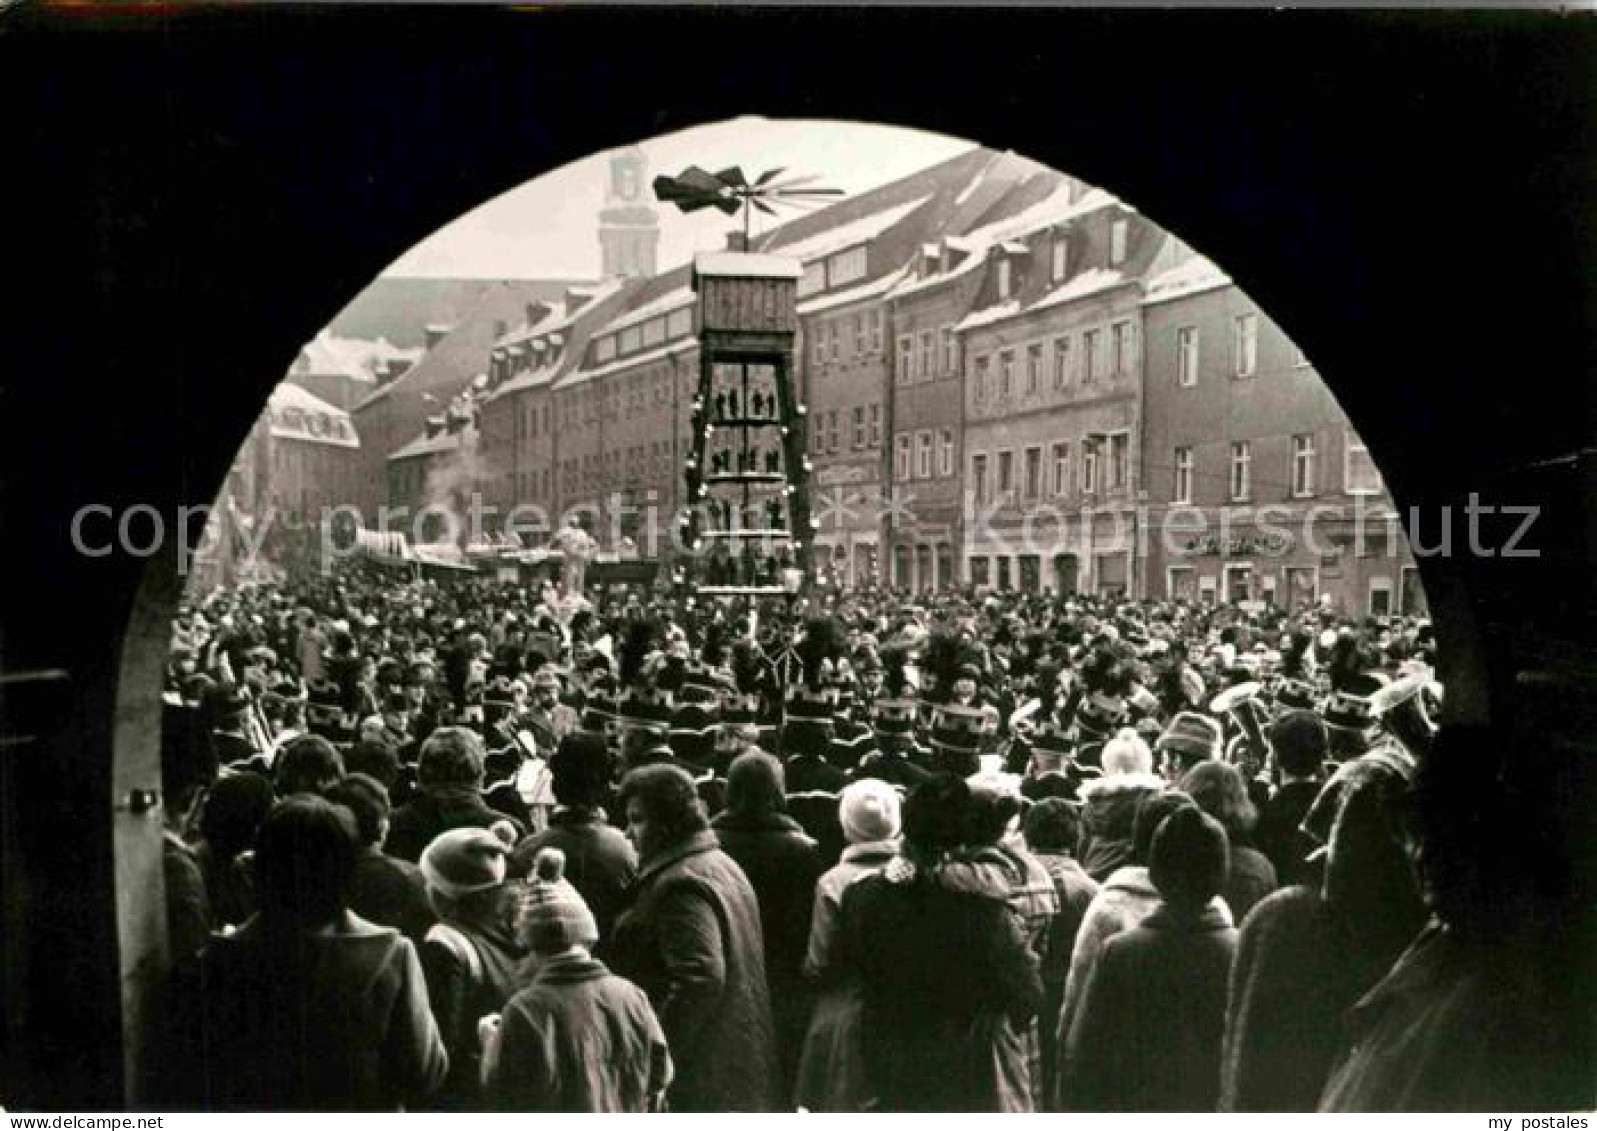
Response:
column 189, row 195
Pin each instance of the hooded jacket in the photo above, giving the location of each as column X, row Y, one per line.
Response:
column 1110, row 808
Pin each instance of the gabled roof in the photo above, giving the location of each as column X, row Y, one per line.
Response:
column 1196, row 275
column 843, row 236
column 292, row 413
column 425, row 445
column 354, row 358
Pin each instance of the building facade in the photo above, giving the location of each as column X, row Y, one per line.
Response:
column 1258, row 487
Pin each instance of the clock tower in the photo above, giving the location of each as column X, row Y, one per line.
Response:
column 629, row 226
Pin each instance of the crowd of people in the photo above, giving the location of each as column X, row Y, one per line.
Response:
column 474, row 845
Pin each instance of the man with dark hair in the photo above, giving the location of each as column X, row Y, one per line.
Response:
column 599, row 860
column 309, row 764
column 449, row 795
column 1299, row 741
column 1052, row 828
column 692, row 941
column 374, row 1046
column 384, row 890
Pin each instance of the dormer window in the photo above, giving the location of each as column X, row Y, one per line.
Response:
column 1117, row 243
column 1059, row 258
column 1005, row 278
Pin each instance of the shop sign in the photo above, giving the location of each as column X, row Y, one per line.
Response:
column 1269, row 545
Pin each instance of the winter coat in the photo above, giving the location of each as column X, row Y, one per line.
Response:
column 948, row 986
column 1249, row 879
column 831, row 1072
column 1125, row 900
column 1278, row 834
column 188, row 918
column 578, row 1039
column 1305, row 955
column 892, row 768
column 692, row 941
column 1463, row 1026
column 1147, row 1035
column 413, row 826
column 782, row 865
column 600, row 861
column 472, row 970
column 1109, row 808
column 806, row 773
column 374, row 1045
column 391, row 893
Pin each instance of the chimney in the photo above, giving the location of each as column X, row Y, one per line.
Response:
column 435, row 425
column 436, row 333
column 576, row 299
column 737, row 241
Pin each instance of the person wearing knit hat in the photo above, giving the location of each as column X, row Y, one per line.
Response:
column 1126, row 753
column 831, row 1076
column 1110, row 803
column 1190, row 738
column 578, row 1038
column 782, row 862
column 470, row 957
column 1148, row 1032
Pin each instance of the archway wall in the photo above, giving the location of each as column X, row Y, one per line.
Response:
column 181, row 237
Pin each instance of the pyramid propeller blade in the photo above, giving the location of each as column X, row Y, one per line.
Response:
column 768, row 176
column 762, row 206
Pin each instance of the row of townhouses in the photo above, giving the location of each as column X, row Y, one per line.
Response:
column 1011, row 378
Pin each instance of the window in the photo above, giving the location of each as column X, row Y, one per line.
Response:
column 978, row 478
column 901, row 456
column 950, row 351
column 1359, row 476
column 630, row 338
column 905, row 349
column 1031, row 485
column 1241, row 469
column 1117, row 242
column 876, row 330
column 1090, row 341
column 1006, row 373
column 1122, row 348
column 945, row 453
column 859, row 427
column 981, row 379
column 1003, row 573
column 859, row 333
column 846, row 266
column 654, row 331
column 1119, row 460
column 833, row 441
column 1187, row 356
column 1061, row 468
column 923, row 455
column 876, row 425
column 1182, row 492
column 1246, row 344
column 1380, row 597
column 1061, row 362
column 606, row 349
column 1006, row 472
column 1003, row 279
column 679, row 323
column 1033, row 368
column 820, row 342
column 1303, row 465
column 978, row 568
column 1089, row 467
column 926, row 360
column 1059, row 264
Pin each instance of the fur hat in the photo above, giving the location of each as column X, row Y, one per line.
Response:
column 463, row 861
column 552, row 916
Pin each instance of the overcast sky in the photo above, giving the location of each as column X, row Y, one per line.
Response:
column 548, row 227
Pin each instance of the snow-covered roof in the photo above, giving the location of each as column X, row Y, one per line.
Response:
column 747, row 265
column 1087, row 283
column 563, row 313
column 989, row 315
column 672, row 300
column 658, row 353
column 425, row 445
column 295, row 414
column 853, row 294
column 355, row 358
column 1190, row 277
column 847, row 235
column 530, row 379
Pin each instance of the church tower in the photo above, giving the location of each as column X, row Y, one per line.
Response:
column 629, row 226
